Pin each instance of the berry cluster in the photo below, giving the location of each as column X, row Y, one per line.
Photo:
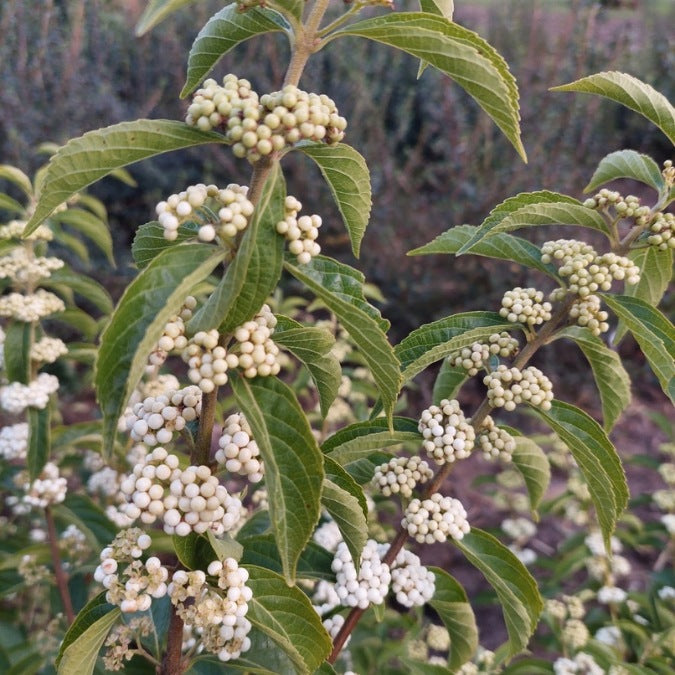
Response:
column 507, row 387
column 411, row 582
column 662, row 231
column 48, row 488
column 401, row 475
column 257, row 353
column 301, row 232
column 14, row 230
column 20, row 266
column 13, row 441
column 173, row 338
column 477, row 356
column 447, row 434
column 525, row 305
column 625, row 207
column 333, row 624
column 153, row 420
column 16, row 397
column 586, row 311
column 47, row 350
column 370, row 585
column 495, row 443
column 30, row 307
column 237, row 449
column 231, row 205
column 207, row 360
column 434, row 519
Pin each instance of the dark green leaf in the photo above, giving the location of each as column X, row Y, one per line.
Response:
column 82, row 285
column 38, row 440
column 448, row 382
column 91, row 226
column 80, row 510
column 17, row 346
column 149, row 241
column 534, row 466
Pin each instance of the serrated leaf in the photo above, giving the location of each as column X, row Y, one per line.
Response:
column 348, row 178
column 516, row 589
column 312, row 346
column 500, row 246
column 434, row 341
column 597, row 458
column 627, row 164
column 453, row 608
column 534, row 467
column 82, row 285
column 448, row 382
column 149, row 241
column 16, row 177
column 79, row 649
column 156, row 11
column 38, row 441
column 361, row 439
column 91, row 226
column 287, row 617
column 255, row 270
column 341, row 288
column 630, row 92
column 225, row 30
column 653, row 332
column 509, row 206
column 151, row 299
column 16, row 348
column 84, row 160
column 7, row 203
column 457, row 52
column 611, row 378
column 293, row 462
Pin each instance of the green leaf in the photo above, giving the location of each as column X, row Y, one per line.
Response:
column 535, row 468
column 194, row 551
column 82, row 285
column 151, row 299
column 453, row 608
column 312, row 346
column 287, row 617
column 434, row 341
column 361, row 439
column 516, row 589
column 9, row 204
column 445, row 8
column 611, row 378
column 500, row 246
column 457, row 52
column 345, row 502
column 149, row 241
column 224, row 31
column 293, row 462
column 16, row 177
column 84, row 160
column 348, row 178
column 17, row 346
column 596, row 457
column 72, row 242
column 80, row 646
column 156, row 11
column 653, row 332
column 86, row 434
column 80, row 321
column 225, row 548
column 255, row 270
column 448, row 382
column 341, row 288
column 630, row 92
column 38, row 440
column 509, row 206
column 91, row 226
column 291, row 9
column 80, row 510
column 627, row 164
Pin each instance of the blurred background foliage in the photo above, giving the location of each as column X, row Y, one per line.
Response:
column 68, row 66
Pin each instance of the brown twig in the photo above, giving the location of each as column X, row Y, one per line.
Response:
column 59, row 573
column 172, row 663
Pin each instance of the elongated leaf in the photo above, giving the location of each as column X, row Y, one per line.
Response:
column 312, row 346
column 500, row 246
column 7, row 203
column 287, row 617
column 85, row 636
column 535, row 468
column 82, row 285
column 82, row 511
column 255, row 270
column 448, row 382
column 444, row 8
column 596, row 457
column 630, row 92
column 224, row 31
column 156, row 11
column 91, row 226
column 84, row 160
column 86, row 434
column 151, row 299
column 293, row 462
column 627, row 164
column 348, row 178
column 17, row 346
column 653, row 332
column 434, row 341
column 291, row 9
column 611, row 378
column 514, row 585
column 80, row 321
column 149, row 241
column 341, row 288
column 453, row 608
column 509, row 206
column 361, row 439
column 17, row 177
column 38, row 440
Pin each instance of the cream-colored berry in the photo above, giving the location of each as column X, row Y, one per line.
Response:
column 435, row 519
column 447, row 434
column 238, row 451
column 507, row 387
column 525, row 305
column 401, row 475
column 586, row 312
column 495, row 443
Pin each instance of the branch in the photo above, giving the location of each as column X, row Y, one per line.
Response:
column 59, row 573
